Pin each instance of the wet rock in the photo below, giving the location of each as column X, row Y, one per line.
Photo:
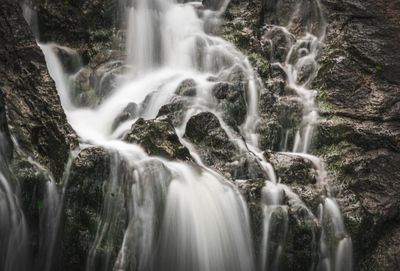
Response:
column 84, row 200
column 359, row 137
column 279, row 116
column 158, row 137
column 213, row 4
column 129, row 113
column 211, row 141
column 232, row 100
column 291, row 224
column 277, row 44
column 84, row 93
column 299, row 174
column 70, row 59
column 30, row 113
column 32, row 106
column 107, row 77
column 84, row 24
column 187, row 88
column 175, row 110
column 303, row 232
column 386, row 255
column 300, row 16
column 95, row 82
column 271, row 134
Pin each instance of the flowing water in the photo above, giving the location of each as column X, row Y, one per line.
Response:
column 175, row 215
column 179, row 216
column 300, row 66
column 14, row 239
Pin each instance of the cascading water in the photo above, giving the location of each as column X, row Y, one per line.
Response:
column 179, row 216
column 300, row 66
column 14, row 239
column 174, row 215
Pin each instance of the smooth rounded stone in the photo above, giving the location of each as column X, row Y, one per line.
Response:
column 201, row 125
column 158, row 137
column 129, row 113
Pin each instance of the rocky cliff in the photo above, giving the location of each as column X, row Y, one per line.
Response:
column 358, row 96
column 358, row 132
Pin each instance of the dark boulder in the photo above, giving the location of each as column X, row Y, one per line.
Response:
column 211, row 141
column 158, row 137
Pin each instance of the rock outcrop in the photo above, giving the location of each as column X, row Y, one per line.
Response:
column 39, row 138
column 358, row 133
column 358, row 95
column 358, row 87
column 32, row 107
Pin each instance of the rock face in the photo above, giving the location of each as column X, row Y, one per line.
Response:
column 358, row 94
column 89, row 173
column 212, row 142
column 358, row 134
column 158, row 137
column 31, row 114
column 358, row 87
column 87, row 25
column 32, row 107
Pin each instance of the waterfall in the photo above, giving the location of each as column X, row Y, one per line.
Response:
column 14, row 238
column 300, row 66
column 159, row 214
column 177, row 216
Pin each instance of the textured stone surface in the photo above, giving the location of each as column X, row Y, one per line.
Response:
column 158, row 137
column 358, row 95
column 31, row 104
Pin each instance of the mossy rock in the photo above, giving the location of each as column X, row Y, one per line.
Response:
column 158, row 138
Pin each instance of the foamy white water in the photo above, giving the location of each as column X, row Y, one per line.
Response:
column 180, row 216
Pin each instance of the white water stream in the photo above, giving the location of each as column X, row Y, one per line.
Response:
column 181, row 216
column 301, row 67
column 14, row 240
